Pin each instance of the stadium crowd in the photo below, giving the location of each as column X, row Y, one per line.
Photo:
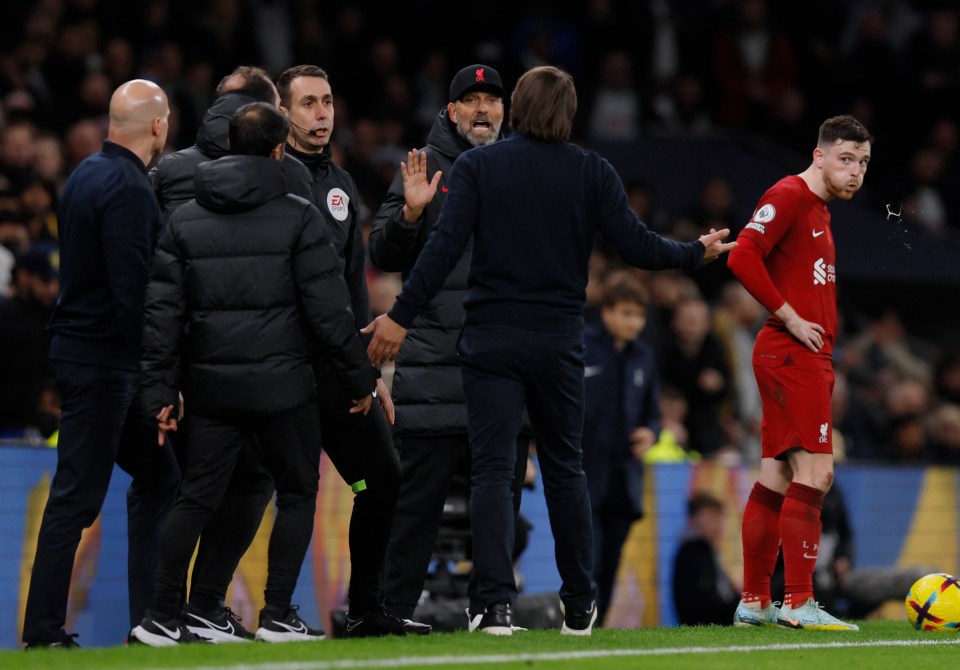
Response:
column 743, row 68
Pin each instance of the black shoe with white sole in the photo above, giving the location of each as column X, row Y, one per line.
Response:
column 157, row 631
column 276, row 626
column 65, row 641
column 379, row 622
column 219, row 626
column 496, row 619
column 578, row 623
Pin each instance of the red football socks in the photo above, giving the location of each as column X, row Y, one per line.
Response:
column 761, row 542
column 800, row 530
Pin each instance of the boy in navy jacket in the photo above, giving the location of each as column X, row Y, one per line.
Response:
column 621, row 422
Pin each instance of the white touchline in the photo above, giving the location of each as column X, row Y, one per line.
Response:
column 408, row 661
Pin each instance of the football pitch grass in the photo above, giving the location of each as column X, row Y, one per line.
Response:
column 877, row 646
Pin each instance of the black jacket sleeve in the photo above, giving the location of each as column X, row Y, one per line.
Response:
column 326, row 300
column 164, row 327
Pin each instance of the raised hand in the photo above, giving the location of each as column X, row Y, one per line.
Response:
column 418, row 191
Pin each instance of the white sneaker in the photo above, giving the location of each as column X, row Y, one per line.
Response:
column 750, row 616
column 811, row 616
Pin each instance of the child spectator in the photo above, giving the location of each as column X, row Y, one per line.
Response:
column 621, row 422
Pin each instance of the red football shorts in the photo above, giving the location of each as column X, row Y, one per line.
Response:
column 796, row 409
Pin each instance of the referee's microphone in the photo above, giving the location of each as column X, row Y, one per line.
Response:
column 315, row 133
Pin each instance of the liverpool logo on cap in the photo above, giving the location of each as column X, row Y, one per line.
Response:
column 479, row 74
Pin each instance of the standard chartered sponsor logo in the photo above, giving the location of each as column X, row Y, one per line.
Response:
column 819, row 272
column 823, row 272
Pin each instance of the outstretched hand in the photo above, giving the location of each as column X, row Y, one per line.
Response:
column 713, row 247
column 388, row 335
column 418, row 190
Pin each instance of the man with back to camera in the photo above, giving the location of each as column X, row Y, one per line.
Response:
column 427, row 388
column 532, row 204
column 786, row 260
column 107, row 221
column 245, row 283
column 360, row 446
column 234, row 525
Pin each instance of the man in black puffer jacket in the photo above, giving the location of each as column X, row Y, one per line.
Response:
column 359, row 446
column 244, row 285
column 173, row 175
column 427, row 388
column 237, row 519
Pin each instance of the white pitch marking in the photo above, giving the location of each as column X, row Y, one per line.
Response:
column 419, row 661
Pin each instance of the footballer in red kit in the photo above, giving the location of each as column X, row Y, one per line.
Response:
column 785, row 258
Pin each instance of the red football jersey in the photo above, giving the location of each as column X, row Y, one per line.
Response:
column 790, row 230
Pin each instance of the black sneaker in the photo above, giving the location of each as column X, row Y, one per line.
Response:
column 286, row 628
column 66, row 641
column 156, row 631
column 379, row 622
column 218, row 626
column 578, row 623
column 494, row 620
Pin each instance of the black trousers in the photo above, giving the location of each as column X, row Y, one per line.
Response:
column 429, row 465
column 361, row 449
column 502, row 368
column 289, row 448
column 101, row 424
column 232, row 528
column 611, row 529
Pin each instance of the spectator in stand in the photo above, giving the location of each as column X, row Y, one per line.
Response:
column 615, row 113
column 753, row 64
column 703, row 593
column 16, row 153
column 906, row 406
column 27, row 393
column 945, row 434
column 713, row 210
column 693, row 360
column 737, row 320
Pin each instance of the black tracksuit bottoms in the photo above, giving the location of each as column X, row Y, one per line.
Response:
column 290, row 452
column 361, row 448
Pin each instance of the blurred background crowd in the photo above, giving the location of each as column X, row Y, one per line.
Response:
column 761, row 72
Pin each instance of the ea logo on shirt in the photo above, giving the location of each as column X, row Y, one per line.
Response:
column 338, row 203
column 765, row 213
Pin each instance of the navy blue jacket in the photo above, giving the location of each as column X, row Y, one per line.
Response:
column 107, row 222
column 622, row 393
column 533, row 209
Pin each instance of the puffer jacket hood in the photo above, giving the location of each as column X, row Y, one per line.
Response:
column 212, row 134
column 239, row 183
